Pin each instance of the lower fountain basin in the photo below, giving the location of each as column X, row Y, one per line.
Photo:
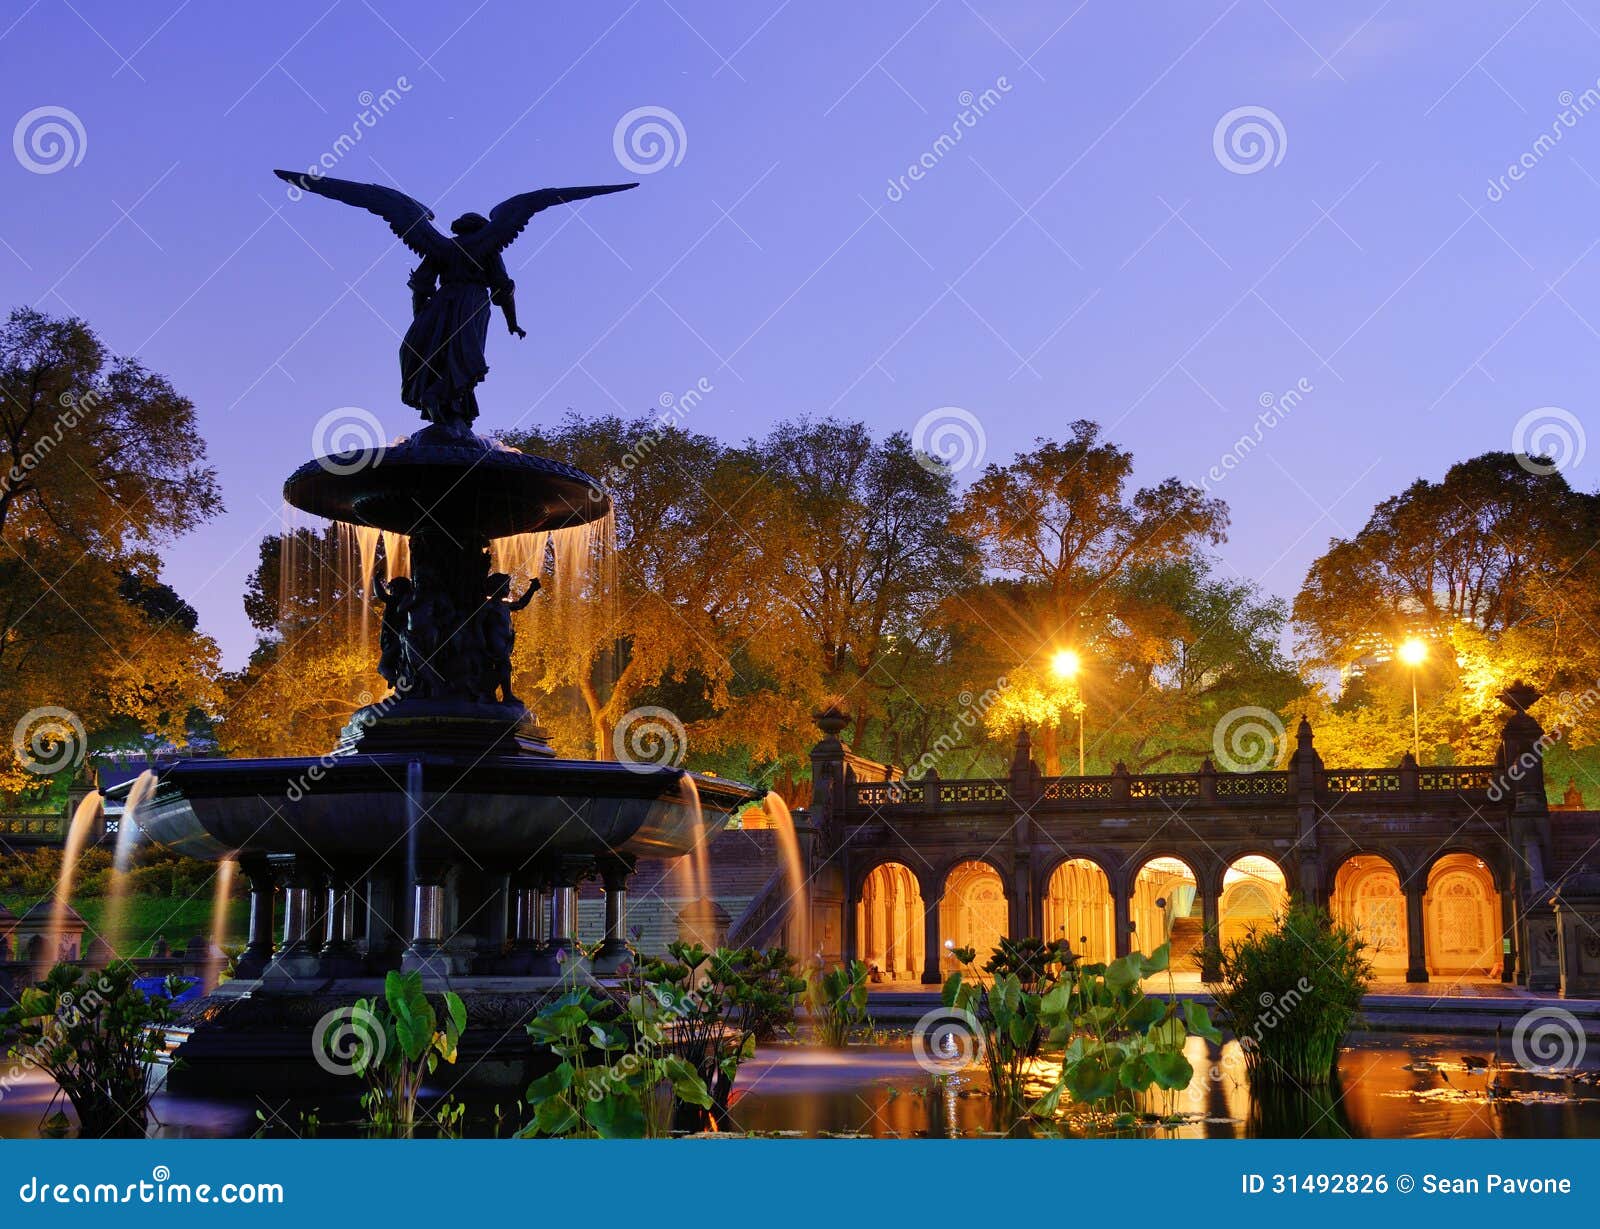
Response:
column 354, row 809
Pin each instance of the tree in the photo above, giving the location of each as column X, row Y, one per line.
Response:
column 100, row 465
column 1075, row 559
column 1493, row 568
column 865, row 550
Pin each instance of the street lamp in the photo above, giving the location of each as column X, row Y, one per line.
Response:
column 1413, row 652
column 1065, row 665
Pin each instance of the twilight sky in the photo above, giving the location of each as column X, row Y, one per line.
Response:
column 1095, row 244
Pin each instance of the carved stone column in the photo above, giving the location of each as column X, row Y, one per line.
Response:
column 932, row 945
column 258, row 945
column 1416, row 937
column 614, row 950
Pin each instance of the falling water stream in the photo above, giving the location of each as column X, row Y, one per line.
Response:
column 226, row 870
column 114, row 923
column 83, row 821
column 794, row 870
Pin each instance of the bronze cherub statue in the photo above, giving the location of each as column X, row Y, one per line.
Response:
column 461, row 276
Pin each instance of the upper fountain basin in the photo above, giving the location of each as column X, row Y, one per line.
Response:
column 505, row 811
column 457, row 483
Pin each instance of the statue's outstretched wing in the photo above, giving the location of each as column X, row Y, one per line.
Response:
column 411, row 220
column 509, row 217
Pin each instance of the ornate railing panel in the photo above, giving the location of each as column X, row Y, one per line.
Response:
column 1078, row 789
column 961, row 793
column 1455, row 780
column 1252, row 785
column 1362, row 781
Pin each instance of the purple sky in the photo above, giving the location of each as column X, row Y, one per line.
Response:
column 1081, row 252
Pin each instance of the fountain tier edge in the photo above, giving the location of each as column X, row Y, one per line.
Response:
column 354, row 810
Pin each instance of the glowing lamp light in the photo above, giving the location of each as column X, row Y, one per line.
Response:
column 1065, row 664
column 1413, row 651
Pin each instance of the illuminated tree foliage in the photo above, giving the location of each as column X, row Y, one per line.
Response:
column 100, row 467
column 1493, row 568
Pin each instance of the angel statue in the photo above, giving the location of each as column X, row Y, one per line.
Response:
column 460, row 277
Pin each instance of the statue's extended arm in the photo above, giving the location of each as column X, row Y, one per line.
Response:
column 527, row 595
column 504, row 296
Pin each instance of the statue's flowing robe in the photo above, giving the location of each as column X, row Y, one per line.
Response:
column 442, row 356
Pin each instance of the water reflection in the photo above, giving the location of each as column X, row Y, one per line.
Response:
column 1387, row 1088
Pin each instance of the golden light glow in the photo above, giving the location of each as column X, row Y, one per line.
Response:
column 1413, row 651
column 1065, row 664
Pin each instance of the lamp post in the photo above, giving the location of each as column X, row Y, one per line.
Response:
column 1066, row 664
column 1413, row 652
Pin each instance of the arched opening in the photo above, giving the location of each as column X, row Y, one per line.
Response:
column 1164, row 907
column 973, row 911
column 1077, row 908
column 1461, row 919
column 889, row 924
column 1368, row 899
column 1254, row 896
